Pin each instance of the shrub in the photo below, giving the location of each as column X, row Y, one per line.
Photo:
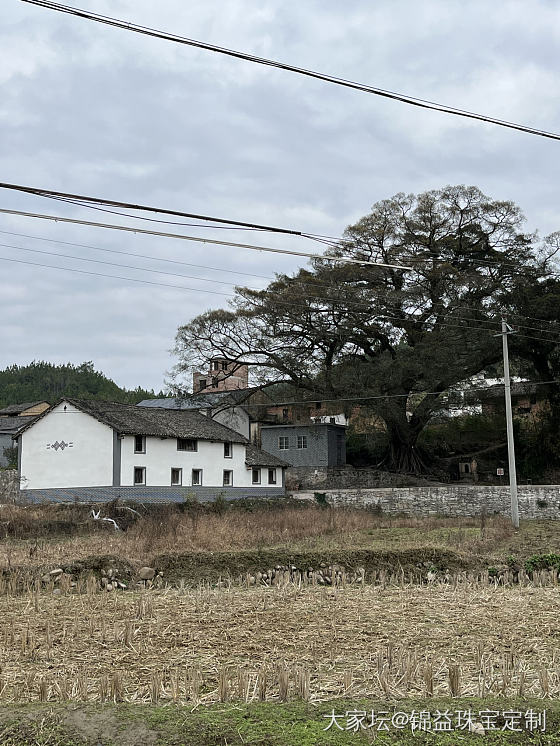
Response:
column 543, row 562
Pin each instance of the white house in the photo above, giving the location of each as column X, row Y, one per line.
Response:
column 98, row 451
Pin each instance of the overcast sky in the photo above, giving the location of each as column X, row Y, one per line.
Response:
column 99, row 111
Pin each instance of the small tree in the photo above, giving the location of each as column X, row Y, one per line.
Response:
column 11, row 456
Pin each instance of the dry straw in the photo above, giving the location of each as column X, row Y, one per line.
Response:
column 464, row 638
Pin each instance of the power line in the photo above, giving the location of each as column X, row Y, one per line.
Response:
column 412, row 394
column 67, row 196
column 383, row 315
column 411, row 100
column 144, row 231
column 93, row 203
column 380, row 316
column 116, row 264
column 139, row 256
column 229, row 271
column 303, row 402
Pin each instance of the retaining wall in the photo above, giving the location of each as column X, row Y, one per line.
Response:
column 535, row 501
column 9, row 485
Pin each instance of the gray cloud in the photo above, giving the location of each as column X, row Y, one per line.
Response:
column 94, row 110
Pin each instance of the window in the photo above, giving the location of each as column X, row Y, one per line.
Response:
column 214, row 382
column 224, row 366
column 176, row 476
column 332, row 420
column 139, row 475
column 228, row 450
column 256, row 478
column 317, row 405
column 272, row 476
column 202, row 384
column 283, row 443
column 215, row 365
column 139, row 444
column 228, row 478
column 187, row 444
column 197, row 476
column 285, row 414
column 302, row 441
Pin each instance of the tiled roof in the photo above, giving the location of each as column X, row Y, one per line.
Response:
column 257, row 457
column 200, row 401
column 129, row 419
column 14, row 409
column 11, row 425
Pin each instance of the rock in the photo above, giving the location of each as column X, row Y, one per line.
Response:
column 109, row 587
column 146, row 573
column 431, row 576
column 251, row 580
column 122, row 586
column 104, row 582
column 57, row 592
column 56, row 573
column 477, row 728
column 46, row 578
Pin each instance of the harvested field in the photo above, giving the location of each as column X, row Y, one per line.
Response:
column 283, row 642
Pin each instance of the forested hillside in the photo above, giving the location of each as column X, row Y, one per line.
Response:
column 45, row 381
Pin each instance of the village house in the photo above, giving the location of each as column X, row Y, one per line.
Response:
column 13, row 418
column 99, row 451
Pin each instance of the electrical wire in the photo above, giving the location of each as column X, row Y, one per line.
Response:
column 245, row 274
column 198, row 239
column 323, row 400
column 403, row 98
column 225, row 223
column 382, row 316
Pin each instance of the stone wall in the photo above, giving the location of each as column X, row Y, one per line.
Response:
column 535, row 501
column 9, row 485
column 344, row 477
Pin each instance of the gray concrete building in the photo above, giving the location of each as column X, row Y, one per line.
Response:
column 320, row 444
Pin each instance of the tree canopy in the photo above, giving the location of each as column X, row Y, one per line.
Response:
column 396, row 340
column 44, row 381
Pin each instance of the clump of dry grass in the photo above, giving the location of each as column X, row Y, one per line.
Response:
column 168, row 529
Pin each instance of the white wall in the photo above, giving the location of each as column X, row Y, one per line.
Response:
column 236, row 419
column 162, row 455
column 86, row 462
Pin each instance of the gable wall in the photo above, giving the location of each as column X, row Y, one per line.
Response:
column 87, row 462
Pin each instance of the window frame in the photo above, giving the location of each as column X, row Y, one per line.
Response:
column 303, row 445
column 143, row 441
column 141, row 469
column 180, row 482
column 283, row 439
column 188, row 440
column 230, row 483
column 272, row 471
column 257, row 470
column 199, row 483
column 230, row 444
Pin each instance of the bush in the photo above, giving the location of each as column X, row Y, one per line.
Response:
column 543, row 562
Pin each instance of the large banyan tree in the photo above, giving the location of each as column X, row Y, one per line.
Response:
column 396, row 341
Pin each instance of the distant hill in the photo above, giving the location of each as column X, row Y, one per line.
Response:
column 45, row 381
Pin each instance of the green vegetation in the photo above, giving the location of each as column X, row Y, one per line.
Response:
column 44, row 381
column 543, row 562
column 258, row 724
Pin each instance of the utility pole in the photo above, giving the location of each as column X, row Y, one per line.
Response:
column 509, row 421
